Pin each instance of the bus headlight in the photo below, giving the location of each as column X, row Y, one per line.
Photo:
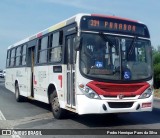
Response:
column 146, row 94
column 88, row 92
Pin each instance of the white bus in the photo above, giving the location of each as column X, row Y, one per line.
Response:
column 87, row 64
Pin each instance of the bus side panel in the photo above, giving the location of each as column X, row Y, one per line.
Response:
column 19, row 75
column 58, row 80
column 40, row 83
column 10, row 79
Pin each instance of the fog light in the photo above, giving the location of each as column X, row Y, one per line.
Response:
column 104, row 107
column 138, row 107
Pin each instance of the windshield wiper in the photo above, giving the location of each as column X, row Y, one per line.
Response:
column 102, row 35
column 132, row 45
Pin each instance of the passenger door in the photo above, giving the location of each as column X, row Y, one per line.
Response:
column 31, row 53
column 70, row 52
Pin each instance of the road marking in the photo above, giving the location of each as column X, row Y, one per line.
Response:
column 31, row 119
column 3, row 118
column 13, row 123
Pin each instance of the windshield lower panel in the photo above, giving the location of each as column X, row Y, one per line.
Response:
column 115, row 58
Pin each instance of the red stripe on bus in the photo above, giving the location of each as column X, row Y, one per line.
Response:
column 60, row 78
column 39, row 35
column 34, row 80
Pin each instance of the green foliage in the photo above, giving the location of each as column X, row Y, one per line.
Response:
column 156, row 75
column 156, row 58
column 156, row 66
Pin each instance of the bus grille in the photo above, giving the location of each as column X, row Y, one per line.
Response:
column 119, row 88
column 120, row 104
column 111, row 90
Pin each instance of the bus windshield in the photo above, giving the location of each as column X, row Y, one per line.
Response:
column 115, row 57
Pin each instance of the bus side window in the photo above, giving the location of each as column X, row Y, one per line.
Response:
column 18, row 55
column 42, row 49
column 23, row 60
column 12, row 58
column 8, row 58
column 55, row 50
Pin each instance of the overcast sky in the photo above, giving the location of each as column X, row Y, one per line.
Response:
column 22, row 18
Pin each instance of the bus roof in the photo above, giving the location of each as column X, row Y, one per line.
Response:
column 68, row 21
column 75, row 18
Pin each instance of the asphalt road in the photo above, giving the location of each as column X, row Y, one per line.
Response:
column 37, row 115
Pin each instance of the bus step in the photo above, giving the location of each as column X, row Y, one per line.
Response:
column 31, row 98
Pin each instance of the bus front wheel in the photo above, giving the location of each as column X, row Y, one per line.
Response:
column 57, row 111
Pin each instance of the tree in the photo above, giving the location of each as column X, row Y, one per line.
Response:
column 156, row 67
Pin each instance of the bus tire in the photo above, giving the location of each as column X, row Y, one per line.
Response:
column 57, row 111
column 17, row 93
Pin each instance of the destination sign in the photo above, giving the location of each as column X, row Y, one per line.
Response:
column 112, row 25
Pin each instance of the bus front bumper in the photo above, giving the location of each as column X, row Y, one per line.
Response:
column 86, row 105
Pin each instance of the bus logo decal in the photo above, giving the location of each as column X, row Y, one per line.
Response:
column 120, row 96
